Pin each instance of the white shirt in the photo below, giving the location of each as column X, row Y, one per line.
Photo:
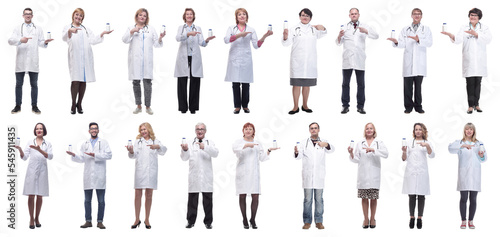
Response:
column 146, row 163
column 37, row 176
column 27, row 53
column 239, row 62
column 369, row 164
column 200, row 165
column 313, row 163
column 189, row 46
column 416, row 179
column 248, row 167
column 94, row 171
column 469, row 165
column 415, row 55
column 354, row 56
column 304, row 57
column 474, row 62
column 140, row 52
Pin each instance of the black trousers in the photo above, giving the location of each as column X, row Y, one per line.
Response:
column 411, row 104
column 413, row 203
column 464, row 195
column 192, row 207
column 360, row 79
column 473, row 90
column 194, row 91
column 241, row 97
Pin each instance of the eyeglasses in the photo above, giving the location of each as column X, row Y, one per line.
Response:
column 417, row 14
column 28, row 14
column 93, row 129
column 474, row 15
column 313, row 128
column 200, row 129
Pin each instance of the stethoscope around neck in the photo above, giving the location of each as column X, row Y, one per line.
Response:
column 410, row 28
column 34, row 142
column 144, row 29
column 299, row 34
column 309, row 139
column 72, row 26
column 22, row 30
column 195, row 140
column 87, row 145
column 186, row 26
column 471, row 27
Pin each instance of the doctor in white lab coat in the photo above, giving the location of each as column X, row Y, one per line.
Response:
column 80, row 56
column 249, row 152
column 145, row 151
column 36, row 183
column 93, row 153
column 367, row 155
column 414, row 39
column 474, row 37
column 354, row 57
column 189, row 63
column 416, row 179
column 142, row 38
column 471, row 153
column 239, row 63
column 27, row 37
column 200, row 152
column 312, row 151
column 303, row 58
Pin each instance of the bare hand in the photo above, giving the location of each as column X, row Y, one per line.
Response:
column 341, row 33
column 323, row 144
column 272, row 149
column 17, row 147
column 209, row 38
column 184, row 147
column 154, row 147
column 368, row 149
column 393, row 40
column 106, row 32
column 130, row 149
column 70, row 153
column 414, row 37
column 136, row 29
column 90, row 154
column 481, row 154
column 162, row 35
column 36, row 148
column 193, row 33
column 363, row 30
column 466, row 146
column 242, row 34
column 268, row 33
column 24, row 40
column 48, row 41
column 285, row 34
column 472, row 32
column 319, row 27
column 404, row 149
column 251, row 145
column 74, row 30
column 296, row 150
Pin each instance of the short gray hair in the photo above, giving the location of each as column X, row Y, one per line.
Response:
column 200, row 124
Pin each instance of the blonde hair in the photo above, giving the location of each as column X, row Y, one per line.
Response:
column 424, row 130
column 236, row 14
column 79, row 10
column 470, row 125
column 374, row 130
column 150, row 130
column 141, row 10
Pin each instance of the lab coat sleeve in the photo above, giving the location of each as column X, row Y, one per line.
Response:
column 262, row 153
column 485, row 36
column 78, row 158
column 15, row 38
column 321, row 33
column 357, row 154
column 127, row 38
column 433, row 154
column 201, row 39
column 136, row 151
column 104, row 153
column 229, row 33
column 185, row 154
column 94, row 39
column 332, row 148
column 401, row 40
column 26, row 151
column 381, row 151
column 211, row 150
column 255, row 40
column 289, row 40
column 426, row 39
column 156, row 39
column 162, row 150
column 372, row 34
column 485, row 156
column 459, row 37
column 454, row 148
column 339, row 43
column 300, row 155
column 50, row 154
column 65, row 37
column 41, row 39
column 238, row 148
column 181, row 36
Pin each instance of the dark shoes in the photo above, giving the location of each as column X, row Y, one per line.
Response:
column 35, row 109
column 136, row 225
column 412, row 223
column 307, row 110
column 419, row 223
column 374, row 225
column 16, row 109
column 293, row 111
column 79, row 108
column 345, row 110
column 320, row 226
column 367, row 224
column 479, row 110
column 407, row 111
column 245, row 224
column 190, row 225
column 254, row 226
column 236, row 111
column 361, row 111
column 247, row 110
column 100, row 226
column 86, row 225
column 420, row 111
column 208, row 226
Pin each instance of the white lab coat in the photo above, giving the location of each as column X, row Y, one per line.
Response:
column 304, row 57
column 474, row 50
column 416, row 179
column 140, row 52
column 239, row 62
column 369, row 165
column 94, row 171
column 146, row 163
column 37, row 176
column 80, row 56
column 27, row 54
column 415, row 55
column 201, row 175
column 181, row 65
column 313, row 163
column 354, row 56
column 469, row 165
column 248, row 167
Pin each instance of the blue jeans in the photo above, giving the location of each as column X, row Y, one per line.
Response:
column 19, row 87
column 88, row 204
column 318, row 207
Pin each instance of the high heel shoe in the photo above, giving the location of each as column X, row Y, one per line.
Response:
column 245, row 224
column 294, row 111
column 367, row 224
column 79, row 108
column 247, row 110
column 254, row 226
column 479, row 110
column 236, row 111
column 73, row 109
column 136, row 225
column 373, row 226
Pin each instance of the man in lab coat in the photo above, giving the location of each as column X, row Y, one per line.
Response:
column 353, row 37
column 199, row 152
column 415, row 39
column 312, row 152
column 94, row 153
column 27, row 38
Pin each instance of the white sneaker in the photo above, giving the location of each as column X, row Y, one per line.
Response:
column 137, row 110
column 149, row 111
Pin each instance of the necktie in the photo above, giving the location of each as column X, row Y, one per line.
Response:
column 355, row 25
column 200, row 141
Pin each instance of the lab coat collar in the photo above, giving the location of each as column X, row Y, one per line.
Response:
column 34, row 142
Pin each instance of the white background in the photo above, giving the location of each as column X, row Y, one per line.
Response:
column 109, row 101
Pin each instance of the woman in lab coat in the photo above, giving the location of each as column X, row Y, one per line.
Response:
column 80, row 56
column 239, row 63
column 145, row 151
column 367, row 155
column 141, row 37
column 303, row 59
column 249, row 152
column 37, row 177
column 189, row 62
column 474, row 37
column 471, row 154
column 416, row 179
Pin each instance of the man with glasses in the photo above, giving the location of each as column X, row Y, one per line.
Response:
column 354, row 57
column 94, row 153
column 27, row 37
column 199, row 152
column 415, row 39
column 312, row 152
